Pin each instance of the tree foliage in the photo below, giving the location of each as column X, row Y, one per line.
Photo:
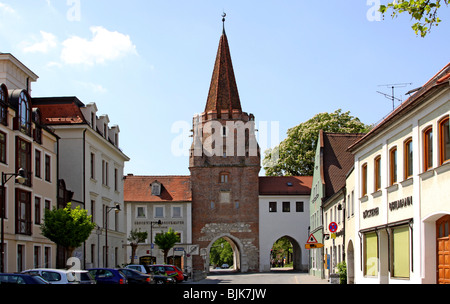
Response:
column 67, row 227
column 281, row 249
column 166, row 241
column 295, row 155
column 136, row 237
column 424, row 12
column 221, row 253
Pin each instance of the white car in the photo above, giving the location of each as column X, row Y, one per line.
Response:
column 56, row 276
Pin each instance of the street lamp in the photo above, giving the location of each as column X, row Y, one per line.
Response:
column 20, row 178
column 107, row 210
column 151, row 236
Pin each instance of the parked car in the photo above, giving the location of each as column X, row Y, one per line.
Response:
column 55, row 276
column 142, row 268
column 170, row 271
column 157, row 277
column 137, row 277
column 20, row 278
column 108, row 276
column 85, row 277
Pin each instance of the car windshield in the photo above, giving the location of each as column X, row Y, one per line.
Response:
column 51, row 276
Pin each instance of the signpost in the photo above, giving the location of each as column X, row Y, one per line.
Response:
column 312, row 243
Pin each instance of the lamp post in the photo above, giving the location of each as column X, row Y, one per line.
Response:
column 20, row 178
column 107, row 210
column 151, row 236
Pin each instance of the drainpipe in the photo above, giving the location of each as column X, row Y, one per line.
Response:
column 84, row 189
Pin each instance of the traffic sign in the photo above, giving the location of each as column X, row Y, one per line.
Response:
column 333, row 227
column 313, row 246
column 311, row 239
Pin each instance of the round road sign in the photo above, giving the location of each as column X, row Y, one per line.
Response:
column 333, row 227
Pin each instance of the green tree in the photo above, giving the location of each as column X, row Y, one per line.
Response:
column 221, row 253
column 295, row 155
column 422, row 11
column 67, row 227
column 281, row 249
column 135, row 238
column 166, row 241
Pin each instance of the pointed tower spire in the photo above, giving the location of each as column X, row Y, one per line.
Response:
column 223, row 92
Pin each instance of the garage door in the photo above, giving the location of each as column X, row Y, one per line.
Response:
column 443, row 250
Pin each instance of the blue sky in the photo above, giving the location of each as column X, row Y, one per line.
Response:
column 148, row 64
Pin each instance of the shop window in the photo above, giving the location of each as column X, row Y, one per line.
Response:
column 377, row 173
column 428, row 148
column 364, row 180
column 393, row 166
column 444, row 141
column 401, row 252
column 408, row 158
column 371, row 255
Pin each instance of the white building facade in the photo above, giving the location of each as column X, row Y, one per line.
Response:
column 284, row 212
column 401, row 181
column 92, row 165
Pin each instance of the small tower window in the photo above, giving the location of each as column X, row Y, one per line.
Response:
column 224, row 177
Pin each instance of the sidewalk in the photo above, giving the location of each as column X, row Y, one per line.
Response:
column 305, row 278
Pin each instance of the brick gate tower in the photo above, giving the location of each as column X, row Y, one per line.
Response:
column 224, row 164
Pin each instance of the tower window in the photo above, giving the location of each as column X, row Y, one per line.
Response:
column 224, row 177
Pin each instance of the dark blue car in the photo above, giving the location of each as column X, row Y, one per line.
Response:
column 19, row 278
column 108, row 276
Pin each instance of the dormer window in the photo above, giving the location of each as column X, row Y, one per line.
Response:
column 24, row 113
column 3, row 105
column 156, row 188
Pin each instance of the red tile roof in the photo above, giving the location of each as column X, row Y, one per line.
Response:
column 223, row 92
column 60, row 110
column 173, row 189
column 279, row 185
column 337, row 160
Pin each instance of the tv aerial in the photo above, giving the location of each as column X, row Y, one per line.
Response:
column 393, row 86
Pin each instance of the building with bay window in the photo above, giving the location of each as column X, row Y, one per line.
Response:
column 25, row 143
column 91, row 164
column 401, row 180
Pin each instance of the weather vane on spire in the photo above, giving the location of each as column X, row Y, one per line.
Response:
column 223, row 20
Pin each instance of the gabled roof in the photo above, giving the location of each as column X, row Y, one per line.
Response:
column 60, row 110
column 173, row 189
column 223, row 92
column 285, row 185
column 337, row 160
column 440, row 80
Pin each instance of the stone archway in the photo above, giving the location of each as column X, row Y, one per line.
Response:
column 296, row 255
column 240, row 263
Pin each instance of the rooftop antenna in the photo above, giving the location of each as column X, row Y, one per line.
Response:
column 393, row 86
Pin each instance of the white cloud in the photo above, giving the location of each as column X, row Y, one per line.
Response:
column 104, row 46
column 96, row 88
column 5, row 8
column 48, row 42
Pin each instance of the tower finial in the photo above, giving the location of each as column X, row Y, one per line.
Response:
column 223, row 20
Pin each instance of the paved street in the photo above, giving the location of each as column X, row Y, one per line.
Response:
column 274, row 277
